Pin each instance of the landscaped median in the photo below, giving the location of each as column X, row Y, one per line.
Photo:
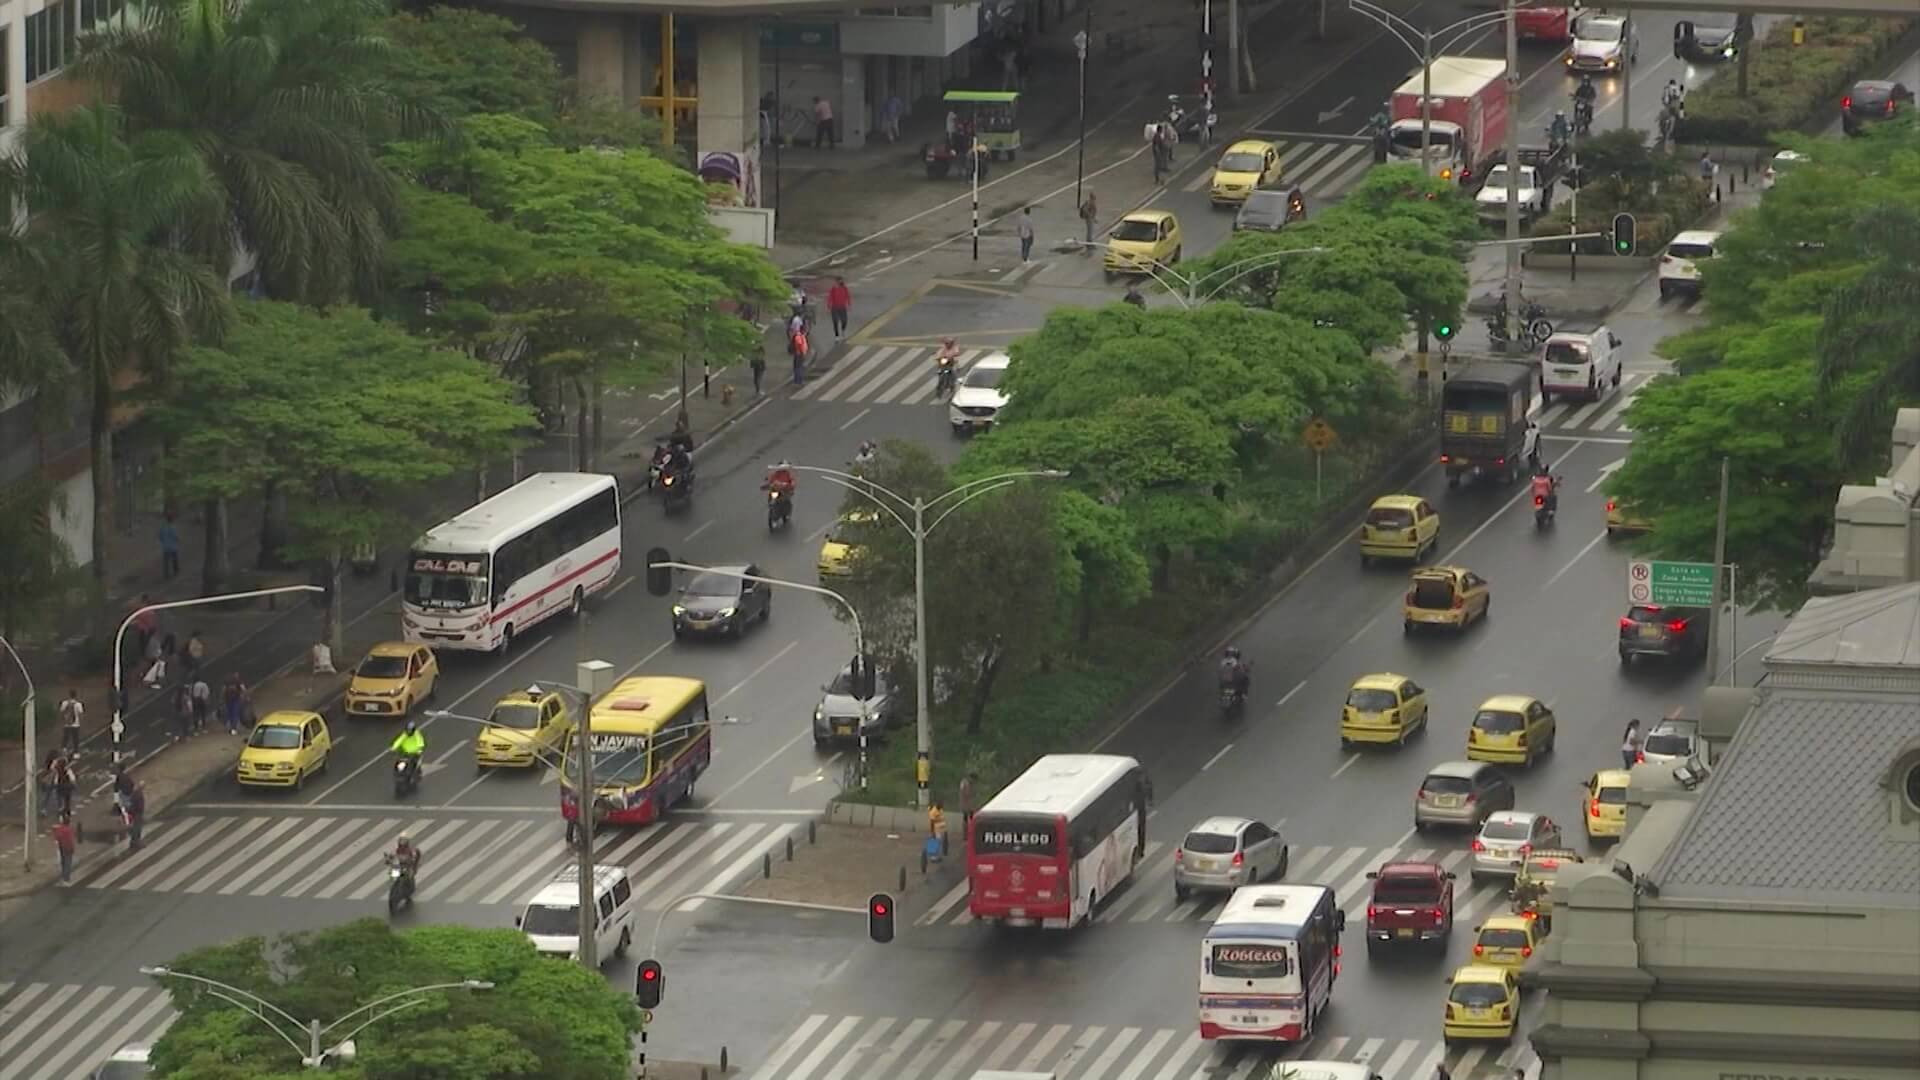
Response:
column 1664, row 194
column 1789, row 87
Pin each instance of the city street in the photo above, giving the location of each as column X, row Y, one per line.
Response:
column 805, row 996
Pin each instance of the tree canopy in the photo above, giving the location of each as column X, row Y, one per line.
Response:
column 1813, row 338
column 542, row 1018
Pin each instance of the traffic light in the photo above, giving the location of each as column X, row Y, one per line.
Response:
column 1623, row 226
column 880, row 917
column 659, row 578
column 1575, row 176
column 1443, row 329
column 648, row 982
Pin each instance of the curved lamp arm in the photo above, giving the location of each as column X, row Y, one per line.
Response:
column 860, row 485
column 248, row 1002
column 464, row 984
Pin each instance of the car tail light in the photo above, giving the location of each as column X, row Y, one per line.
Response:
column 1640, row 757
column 1626, row 623
column 1479, row 950
column 1847, row 102
column 1409, row 597
column 1677, row 626
column 1177, row 854
column 1593, row 807
column 1526, row 950
column 1499, row 461
column 1372, row 912
column 1539, row 501
column 1421, row 794
column 1444, row 458
column 1439, row 916
column 1471, row 798
column 1050, row 871
column 1337, row 951
column 1239, row 858
column 1521, row 739
column 1459, row 602
column 1889, row 106
column 1477, row 845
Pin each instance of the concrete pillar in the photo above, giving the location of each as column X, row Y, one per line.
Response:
column 853, row 111
column 601, row 48
column 727, row 118
column 638, row 67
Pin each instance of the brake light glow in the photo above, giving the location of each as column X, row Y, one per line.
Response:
column 1526, row 950
column 1610, row 506
column 1444, row 458
column 1471, row 797
column 1439, row 916
column 1049, row 871
column 1239, row 858
column 1889, row 106
column 1677, row 626
column 1477, row 845
column 1499, row 461
column 1847, row 102
column 1626, row 623
column 1593, row 807
column 1539, row 501
column 1526, row 850
column 1372, row 911
column 1479, row 950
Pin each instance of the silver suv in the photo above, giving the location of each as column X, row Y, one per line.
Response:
column 1673, row 742
column 842, row 717
column 1461, row 794
column 1224, row 853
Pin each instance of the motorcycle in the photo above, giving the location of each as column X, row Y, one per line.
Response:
column 1544, row 507
column 658, row 465
column 1296, row 206
column 945, row 383
column 406, row 775
column 1582, row 118
column 676, row 490
column 779, row 509
column 399, row 886
column 1232, row 699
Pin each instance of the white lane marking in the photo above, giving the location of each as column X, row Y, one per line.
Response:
column 1358, row 634
column 452, row 707
column 1404, row 837
column 939, row 909
column 767, row 663
column 708, row 524
column 768, row 760
column 1297, row 687
column 615, row 591
column 1571, row 563
column 1453, row 556
column 1216, row 757
column 857, row 417
column 787, row 1049
column 1348, row 764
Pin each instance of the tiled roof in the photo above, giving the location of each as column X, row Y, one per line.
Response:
column 1796, row 810
column 1877, row 628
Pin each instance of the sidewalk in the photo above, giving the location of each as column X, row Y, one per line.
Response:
column 268, row 643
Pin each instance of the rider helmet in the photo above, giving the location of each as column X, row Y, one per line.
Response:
column 1233, row 652
column 412, row 727
column 406, row 840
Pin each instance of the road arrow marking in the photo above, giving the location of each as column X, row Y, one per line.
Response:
column 801, row 783
column 434, row 766
column 1605, row 471
column 1335, row 111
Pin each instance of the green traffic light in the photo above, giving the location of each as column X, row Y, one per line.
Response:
column 1443, row 331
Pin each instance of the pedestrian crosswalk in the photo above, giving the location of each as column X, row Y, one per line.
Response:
column 469, row 859
column 1595, row 418
column 1149, row 896
column 893, row 1048
column 1323, row 171
column 63, row 1031
column 884, row 375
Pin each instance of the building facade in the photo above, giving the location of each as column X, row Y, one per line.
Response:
column 1762, row 922
column 1876, row 527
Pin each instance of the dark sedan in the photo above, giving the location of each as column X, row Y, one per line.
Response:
column 720, row 603
column 1264, row 211
column 1705, row 43
column 1871, row 101
column 1652, row 630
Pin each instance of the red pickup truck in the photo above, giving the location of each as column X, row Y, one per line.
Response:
column 1553, row 24
column 1412, row 902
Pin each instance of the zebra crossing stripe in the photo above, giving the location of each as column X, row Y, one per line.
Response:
column 64, row 1018
column 435, row 887
column 158, row 1004
column 874, row 373
column 1118, row 1046
column 967, row 1050
column 883, row 1064
column 812, row 1061
column 787, row 1049
column 934, row 1049
column 10, row 1040
column 861, row 1045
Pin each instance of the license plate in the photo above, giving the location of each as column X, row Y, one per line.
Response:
column 1403, row 933
column 1203, row 864
column 1477, row 1014
column 1247, row 1019
column 1447, row 801
column 1649, row 632
column 843, row 729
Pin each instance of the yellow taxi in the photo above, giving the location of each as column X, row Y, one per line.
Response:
column 1511, row 728
column 1483, row 1002
column 1624, row 520
column 1606, row 812
column 1445, row 596
column 1383, row 708
column 524, row 727
column 837, row 552
column 285, row 748
column 1504, row 941
column 1143, row 240
column 1399, row 527
column 394, row 677
column 1247, row 166
column 1543, row 865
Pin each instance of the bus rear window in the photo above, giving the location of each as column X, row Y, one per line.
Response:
column 1474, row 400
column 1015, row 836
column 1252, row 961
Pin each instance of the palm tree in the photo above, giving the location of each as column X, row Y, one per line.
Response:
column 1869, row 345
column 103, row 211
column 282, row 101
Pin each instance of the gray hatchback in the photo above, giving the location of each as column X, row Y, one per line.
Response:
column 1462, row 794
column 1224, row 853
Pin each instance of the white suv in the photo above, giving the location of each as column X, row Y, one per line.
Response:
column 978, row 399
column 1679, row 264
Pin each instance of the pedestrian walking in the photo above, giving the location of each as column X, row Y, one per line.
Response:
column 1089, row 211
column 156, row 662
column 1023, row 228
column 966, row 798
column 839, row 304
column 233, row 702
column 890, row 114
column 63, row 784
column 202, row 703
column 71, row 713
column 797, row 347
column 758, row 364
column 43, row 780
column 169, row 549
column 936, row 832
column 193, row 655
column 134, row 811
column 822, row 123
column 182, row 712
column 1630, row 744
column 1706, row 167
column 144, row 623
column 1440, row 1071
column 63, row 844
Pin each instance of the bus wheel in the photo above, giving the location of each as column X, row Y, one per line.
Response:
column 579, row 605
column 506, row 640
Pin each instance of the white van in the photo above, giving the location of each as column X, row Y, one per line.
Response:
column 1580, row 363
column 1325, row 1070
column 551, row 920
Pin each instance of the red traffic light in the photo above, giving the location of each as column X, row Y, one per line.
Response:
column 880, row 917
column 880, row 908
column 648, row 983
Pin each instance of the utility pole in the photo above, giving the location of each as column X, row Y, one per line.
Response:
column 586, row 676
column 1719, row 567
column 1206, row 70
column 973, row 163
column 1080, row 42
column 1513, row 305
column 1426, row 104
column 1626, row 69
column 923, row 719
column 1233, row 43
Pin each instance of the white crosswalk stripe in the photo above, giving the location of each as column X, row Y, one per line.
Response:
column 64, row 1031
column 884, row 375
column 826, row 1047
column 1149, row 895
column 1323, row 171
column 1603, row 417
column 468, row 860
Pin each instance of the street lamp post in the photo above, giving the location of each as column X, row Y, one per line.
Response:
column 313, row 1055
column 120, row 635
column 590, row 676
column 1081, row 39
column 30, row 813
column 900, row 508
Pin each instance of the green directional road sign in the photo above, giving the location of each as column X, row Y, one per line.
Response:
column 1670, row 584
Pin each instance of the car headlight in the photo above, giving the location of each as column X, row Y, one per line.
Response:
column 679, row 610
column 819, row 715
column 726, row 613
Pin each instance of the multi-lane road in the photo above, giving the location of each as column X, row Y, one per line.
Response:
column 795, row 998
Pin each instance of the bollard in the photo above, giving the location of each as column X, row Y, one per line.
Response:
column 726, row 393
column 80, row 835
column 1716, row 193
column 789, row 849
column 923, row 859
column 903, row 874
column 703, row 1072
column 393, row 581
column 1730, row 183
column 810, row 830
column 943, row 845
column 766, row 865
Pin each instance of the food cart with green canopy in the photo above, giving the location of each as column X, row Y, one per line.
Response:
column 993, row 116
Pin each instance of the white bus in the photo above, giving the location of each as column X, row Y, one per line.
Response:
column 1057, row 840
column 1268, row 963
column 488, row 575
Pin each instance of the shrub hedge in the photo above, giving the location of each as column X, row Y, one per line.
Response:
column 1789, row 87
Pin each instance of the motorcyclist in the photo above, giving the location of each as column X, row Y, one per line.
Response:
column 405, row 855
column 1235, row 673
column 1546, row 488
column 1561, row 129
column 410, row 743
column 868, row 451
column 1527, row 892
column 1133, row 297
column 946, row 360
column 1586, row 92
column 679, row 462
column 780, row 480
column 1296, row 205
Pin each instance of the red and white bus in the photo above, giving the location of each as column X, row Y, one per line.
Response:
column 1051, row 845
column 1268, row 963
column 542, row 546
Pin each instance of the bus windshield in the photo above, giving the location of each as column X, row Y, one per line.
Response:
column 446, row 581
column 1251, row 960
column 619, row 759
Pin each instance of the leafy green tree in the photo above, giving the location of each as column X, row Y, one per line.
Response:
column 349, row 416
column 111, row 296
column 282, row 99
column 36, row 566
column 542, row 1017
column 1869, row 347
